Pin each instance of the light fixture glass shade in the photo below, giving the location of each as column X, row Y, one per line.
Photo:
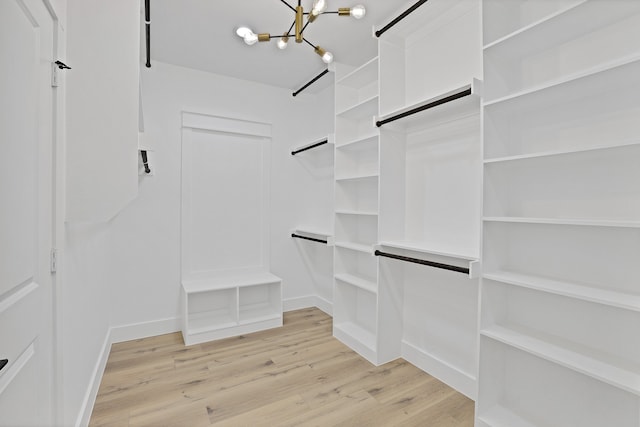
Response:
column 319, row 6
column 358, row 11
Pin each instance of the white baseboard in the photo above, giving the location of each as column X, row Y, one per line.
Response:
column 299, row 303
column 445, row 372
column 135, row 331
column 84, row 416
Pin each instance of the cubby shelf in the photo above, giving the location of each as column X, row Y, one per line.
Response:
column 499, row 416
column 562, row 221
column 361, row 283
column 543, row 154
column 575, row 84
column 437, row 109
column 612, row 298
column 622, row 374
column 361, row 110
column 230, row 303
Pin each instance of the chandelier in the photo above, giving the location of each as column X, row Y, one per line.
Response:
column 319, row 8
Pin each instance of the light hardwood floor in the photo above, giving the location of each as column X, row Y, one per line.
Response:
column 297, row 375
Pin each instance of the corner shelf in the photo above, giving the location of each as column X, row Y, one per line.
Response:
column 361, row 110
column 562, row 221
column 362, row 76
column 359, row 247
column 355, row 177
column 353, row 143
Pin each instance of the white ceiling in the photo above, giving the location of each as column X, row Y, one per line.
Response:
column 200, row 34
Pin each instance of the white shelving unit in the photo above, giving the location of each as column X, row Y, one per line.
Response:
column 430, row 186
column 358, row 316
column 560, row 304
column 230, row 303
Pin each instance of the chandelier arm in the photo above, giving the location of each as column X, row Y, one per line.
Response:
column 288, row 5
column 291, row 27
column 305, row 26
column 309, row 43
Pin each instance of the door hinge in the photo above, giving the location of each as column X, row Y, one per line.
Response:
column 54, row 260
column 54, row 75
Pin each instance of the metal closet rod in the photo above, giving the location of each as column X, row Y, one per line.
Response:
column 400, row 17
column 297, row 236
column 444, row 100
column 312, row 81
column 424, row 262
column 145, row 162
column 317, row 144
column 147, row 24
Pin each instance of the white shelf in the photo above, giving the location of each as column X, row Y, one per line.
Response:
column 564, row 25
column 311, row 232
column 499, row 416
column 448, row 111
column 354, row 212
column 574, row 290
column 357, row 333
column 505, row 159
column 561, row 221
column 229, row 279
column 353, row 143
column 258, row 312
column 594, row 78
column 425, row 249
column 368, row 249
column 362, row 76
column 569, row 355
column 210, row 321
column 329, row 138
column 357, row 177
column 361, row 110
column 359, row 282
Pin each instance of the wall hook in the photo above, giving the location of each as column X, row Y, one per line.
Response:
column 62, row 65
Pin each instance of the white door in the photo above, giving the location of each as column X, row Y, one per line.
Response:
column 26, row 137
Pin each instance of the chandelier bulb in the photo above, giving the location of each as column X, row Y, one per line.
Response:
column 282, row 43
column 250, row 38
column 318, row 7
column 358, row 11
column 243, row 31
column 327, row 58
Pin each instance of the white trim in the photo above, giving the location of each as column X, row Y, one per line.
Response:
column 84, row 415
column 298, row 303
column 134, row 331
column 445, row 372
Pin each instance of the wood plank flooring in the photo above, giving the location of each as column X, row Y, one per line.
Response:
column 297, row 375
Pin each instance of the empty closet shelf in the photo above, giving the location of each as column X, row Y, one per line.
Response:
column 418, row 253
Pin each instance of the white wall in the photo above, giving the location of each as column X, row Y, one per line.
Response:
column 98, row 122
column 145, row 279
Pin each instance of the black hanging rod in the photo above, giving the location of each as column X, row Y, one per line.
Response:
column 147, row 25
column 317, row 144
column 444, row 100
column 3, row 363
column 312, row 81
column 297, row 236
column 400, row 17
column 145, row 162
column 424, row 262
